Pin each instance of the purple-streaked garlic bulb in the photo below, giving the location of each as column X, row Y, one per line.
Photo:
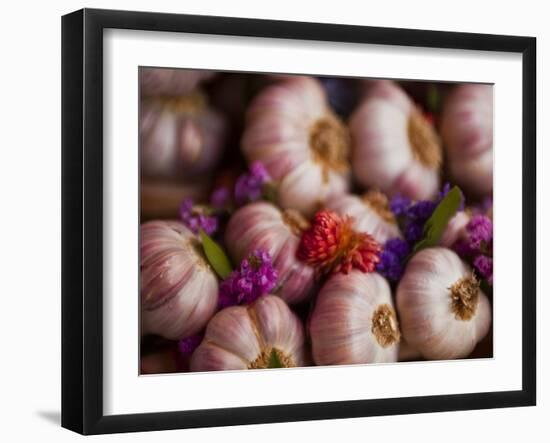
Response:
column 170, row 82
column 354, row 321
column 371, row 213
column 467, row 132
column 442, row 311
column 262, row 225
column 179, row 136
column 179, row 289
column 395, row 148
column 304, row 146
column 252, row 337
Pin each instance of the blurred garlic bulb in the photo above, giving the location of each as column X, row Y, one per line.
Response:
column 467, row 132
column 371, row 213
column 395, row 148
column 252, row 337
column 442, row 311
column 261, row 225
column 179, row 136
column 302, row 143
column 179, row 290
column 354, row 321
column 162, row 81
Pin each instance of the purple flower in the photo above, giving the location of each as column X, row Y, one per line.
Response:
column 484, row 266
column 421, row 210
column 414, row 231
column 195, row 219
column 399, row 205
column 187, row 345
column 220, row 198
column 249, row 186
column 480, row 232
column 255, row 277
column 392, row 259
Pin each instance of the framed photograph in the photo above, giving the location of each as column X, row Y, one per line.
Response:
column 269, row 221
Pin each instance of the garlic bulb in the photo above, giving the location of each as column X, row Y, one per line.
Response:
column 179, row 136
column 179, row 290
column 454, row 229
column 301, row 142
column 354, row 321
column 371, row 213
column 252, row 337
column 261, row 225
column 467, row 132
column 442, row 311
column 162, row 81
column 395, row 149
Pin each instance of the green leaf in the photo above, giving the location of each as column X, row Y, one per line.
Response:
column 436, row 224
column 216, row 255
column 274, row 361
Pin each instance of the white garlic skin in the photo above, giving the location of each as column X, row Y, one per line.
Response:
column 261, row 225
column 277, row 133
column 342, row 320
column 365, row 219
column 455, row 229
column 179, row 289
column 382, row 151
column 427, row 320
column 467, row 132
column 178, row 141
column 163, row 81
column 236, row 336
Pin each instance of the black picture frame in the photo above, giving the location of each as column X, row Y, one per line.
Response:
column 82, row 220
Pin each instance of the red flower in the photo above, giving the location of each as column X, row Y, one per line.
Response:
column 331, row 245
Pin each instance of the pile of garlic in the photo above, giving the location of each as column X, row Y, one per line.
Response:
column 287, row 264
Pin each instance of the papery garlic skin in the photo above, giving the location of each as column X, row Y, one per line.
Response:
column 262, row 225
column 179, row 289
column 378, row 222
column 354, row 321
column 170, row 82
column 432, row 321
column 467, row 132
column 179, row 136
column 395, row 149
column 301, row 142
column 243, row 337
column 455, row 229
